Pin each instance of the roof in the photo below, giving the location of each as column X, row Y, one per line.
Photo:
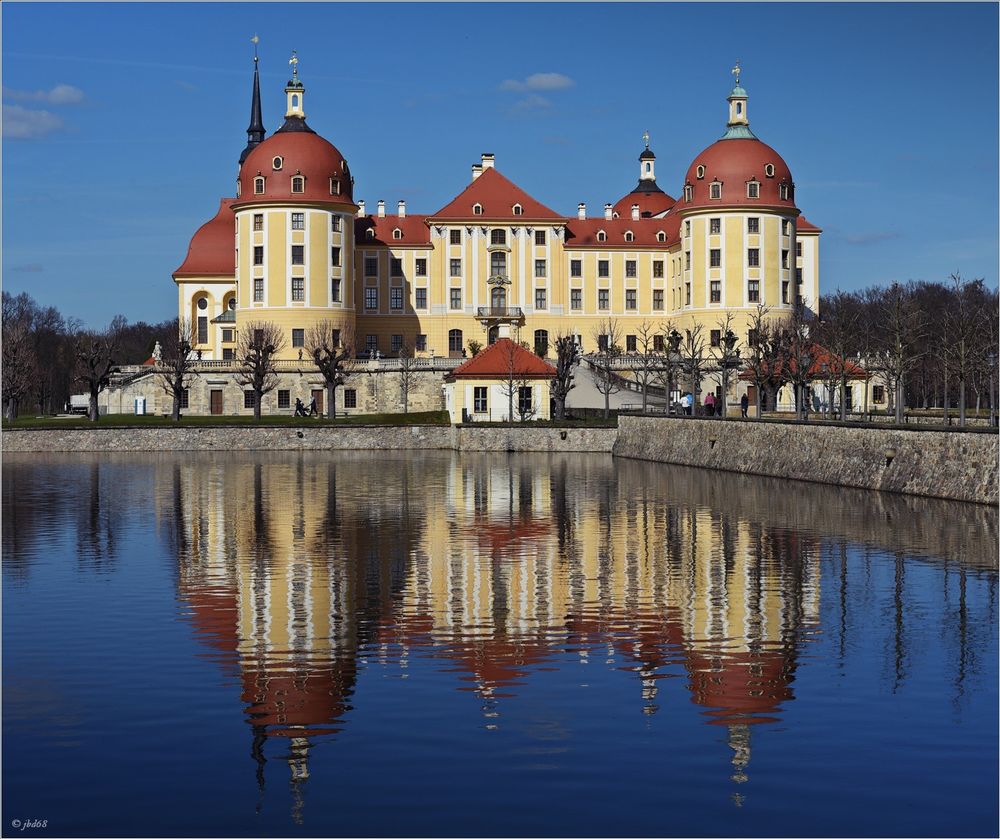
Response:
column 413, row 230
column 497, row 195
column 733, row 162
column 652, row 201
column 211, row 252
column 582, row 233
column 803, row 225
column 498, row 359
column 228, row 316
column 823, row 360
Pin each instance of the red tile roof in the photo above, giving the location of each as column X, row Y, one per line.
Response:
column 583, row 233
column 495, row 363
column 650, row 204
column 497, row 195
column 212, row 251
column 823, row 359
column 803, row 225
column 413, row 230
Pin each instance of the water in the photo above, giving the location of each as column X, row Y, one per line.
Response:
column 434, row 644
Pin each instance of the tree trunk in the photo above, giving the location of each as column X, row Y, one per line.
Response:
column 92, row 413
column 843, row 398
column 175, row 412
column 644, row 396
column 560, row 409
column 946, row 402
column 331, row 400
column 256, row 405
column 899, row 400
column 961, row 403
column 11, row 409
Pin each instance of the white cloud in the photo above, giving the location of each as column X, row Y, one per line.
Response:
column 539, row 81
column 25, row 124
column 533, row 102
column 61, row 94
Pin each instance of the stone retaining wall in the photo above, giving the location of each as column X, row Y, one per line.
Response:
column 937, row 464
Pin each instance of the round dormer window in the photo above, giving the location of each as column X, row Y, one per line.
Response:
column 276, row 163
column 769, row 170
column 700, row 172
column 202, row 303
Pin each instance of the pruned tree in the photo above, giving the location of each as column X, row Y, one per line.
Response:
column 567, row 357
column 800, row 353
column 962, row 328
column 257, row 347
column 407, row 374
column 96, row 356
column 516, row 377
column 20, row 368
column 176, row 368
column 646, row 360
column 607, row 335
column 763, row 357
column 901, row 330
column 667, row 359
column 726, row 356
column 331, row 345
column 839, row 328
column 693, row 357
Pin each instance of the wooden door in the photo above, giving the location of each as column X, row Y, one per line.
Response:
column 318, row 396
column 215, row 398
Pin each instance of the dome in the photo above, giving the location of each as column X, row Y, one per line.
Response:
column 652, row 202
column 733, row 162
column 211, row 252
column 302, row 152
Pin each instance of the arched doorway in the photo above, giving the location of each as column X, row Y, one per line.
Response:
column 492, row 334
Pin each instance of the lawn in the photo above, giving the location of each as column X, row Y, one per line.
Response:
column 150, row 421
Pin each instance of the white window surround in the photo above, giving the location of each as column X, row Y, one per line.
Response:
column 753, row 189
column 300, row 182
column 517, row 210
column 629, row 236
column 700, row 172
column 715, row 190
column 769, row 170
column 258, row 185
column 601, row 236
column 661, row 236
column 397, row 234
column 477, row 209
column 276, row 163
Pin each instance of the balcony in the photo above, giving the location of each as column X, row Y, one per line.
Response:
column 500, row 312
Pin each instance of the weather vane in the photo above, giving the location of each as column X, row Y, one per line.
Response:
column 255, row 40
column 294, row 61
column 645, row 138
column 736, row 72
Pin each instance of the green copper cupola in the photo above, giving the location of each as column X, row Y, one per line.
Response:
column 738, row 127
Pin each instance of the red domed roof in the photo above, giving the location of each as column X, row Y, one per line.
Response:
column 734, row 162
column 212, row 251
column 302, row 152
column 650, row 203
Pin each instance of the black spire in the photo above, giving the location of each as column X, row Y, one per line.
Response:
column 255, row 131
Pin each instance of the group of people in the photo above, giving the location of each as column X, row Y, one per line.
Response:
column 713, row 406
column 300, row 408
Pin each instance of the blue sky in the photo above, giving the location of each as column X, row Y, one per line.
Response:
column 123, row 123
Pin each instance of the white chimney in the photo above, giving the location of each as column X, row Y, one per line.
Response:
column 477, row 170
column 381, row 208
column 402, row 209
column 361, row 207
column 581, row 211
column 488, row 160
column 635, row 211
column 608, row 211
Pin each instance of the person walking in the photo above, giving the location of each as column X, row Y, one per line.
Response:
column 312, row 408
column 300, row 409
column 688, row 402
column 744, row 405
column 710, row 404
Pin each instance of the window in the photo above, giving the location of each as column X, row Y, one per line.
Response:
column 456, row 268
column 715, row 338
column 498, row 237
column 371, row 298
column 258, row 254
column 334, row 186
column 630, row 299
column 284, row 398
column 396, row 343
column 658, row 299
column 227, row 336
column 524, row 400
column 753, row 291
column 630, row 268
column 753, row 257
column 688, row 192
column 421, row 267
column 336, row 337
column 753, row 225
column 603, row 268
column 371, row 344
column 395, row 266
column 517, row 209
column 249, row 399
column 751, row 337
column 298, row 337
column 784, row 292
column 687, row 260
column 456, row 237
column 603, row 297
column 798, row 275
column 699, row 172
column 298, row 184
column 396, row 298
column 576, row 299
column 687, row 228
column 715, row 190
column 258, row 290
column 630, row 343
column 298, row 221
column 276, row 163
column 258, row 221
column 455, row 340
column 715, row 291
column 335, row 286
column 298, row 289
column 335, row 256
column 784, row 192
column 539, row 237
column 498, row 264
column 350, row 397
column 456, row 298
column 576, row 267
column 370, row 233
column 258, row 186
column 602, row 343
column 397, row 233
column 715, row 226
column 539, row 267
column 202, row 303
column 298, row 254
column 661, row 236
column 202, row 330
column 657, row 267
column 371, row 266
column 541, row 342
column 421, row 298
column 769, row 170
column 798, row 249
column 878, row 393
column 601, row 236
column 629, row 236
column 784, row 259
column 753, row 189
column 784, row 227
column 479, row 400
column 658, row 344
column 540, row 298
column 421, row 343
column 335, row 224
column 477, row 209
column 687, row 294
column 714, row 258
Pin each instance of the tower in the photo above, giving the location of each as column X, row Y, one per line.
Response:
column 255, row 131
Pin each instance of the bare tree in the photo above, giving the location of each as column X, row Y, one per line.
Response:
column 515, row 378
column 693, row 358
column 19, row 360
column 331, row 345
column 838, row 333
column 901, row 328
column 407, row 374
column 177, row 368
column 961, row 328
column 763, row 356
column 567, row 357
column 800, row 352
column 667, row 358
column 257, row 347
column 646, row 362
column 726, row 355
column 607, row 335
column 96, row 356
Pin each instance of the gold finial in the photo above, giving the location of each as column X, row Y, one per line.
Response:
column 736, row 72
column 645, row 138
column 255, row 40
column 294, row 61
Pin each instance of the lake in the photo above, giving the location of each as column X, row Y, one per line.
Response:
column 286, row 644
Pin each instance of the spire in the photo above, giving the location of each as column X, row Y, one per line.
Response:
column 738, row 127
column 255, row 131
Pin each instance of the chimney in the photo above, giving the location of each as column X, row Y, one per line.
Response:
column 608, row 211
column 381, row 208
column 488, row 160
column 361, row 207
column 635, row 211
column 477, row 170
column 402, row 209
column 581, row 211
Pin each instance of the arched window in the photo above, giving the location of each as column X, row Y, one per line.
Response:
column 455, row 341
column 715, row 189
column 541, row 342
column 397, row 234
column 649, row 167
column 370, row 233
column 295, row 100
column 661, row 236
column 753, row 189
column 239, row 188
column 258, row 186
column 700, row 172
column 518, row 210
column 298, row 184
column 498, row 298
column 629, row 236
column 477, row 209
column 601, row 236
column 688, row 192
column 276, row 163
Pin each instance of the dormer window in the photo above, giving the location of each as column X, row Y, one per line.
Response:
column 258, row 186
column 601, row 236
column 397, row 234
column 276, row 163
column 700, row 172
column 783, row 191
column 629, row 236
column 334, row 186
column 370, row 233
column 769, row 170
column 661, row 236
column 688, row 192
column 753, row 189
column 298, row 184
column 614, row 215
column 518, row 210
column 477, row 209
column 715, row 189
column 239, row 188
